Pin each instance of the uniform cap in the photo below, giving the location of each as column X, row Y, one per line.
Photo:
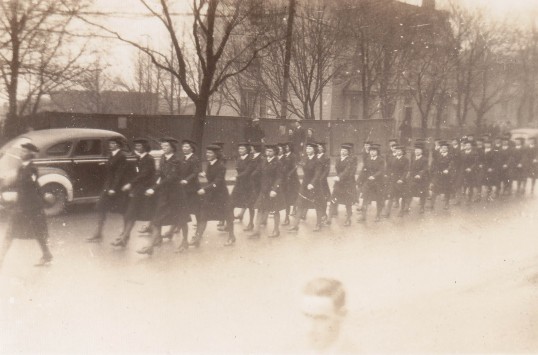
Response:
column 243, row 144
column 443, row 144
column 213, row 148
column 347, row 146
column 375, row 146
column 117, row 140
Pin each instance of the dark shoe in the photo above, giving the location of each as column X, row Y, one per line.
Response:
column 317, row 228
column 195, row 242
column 286, row 222
column 255, row 235
column 44, row 261
column 249, row 228
column 182, row 248
column 169, row 235
column 145, row 230
column 146, row 250
column 274, row 235
column 220, row 224
column 328, row 222
column 158, row 242
column 361, row 219
column 347, row 222
column 120, row 242
column 293, row 229
column 230, row 241
column 222, row 228
column 95, row 239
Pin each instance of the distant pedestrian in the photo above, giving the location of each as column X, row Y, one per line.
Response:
column 254, row 133
column 406, row 132
column 27, row 220
column 298, row 139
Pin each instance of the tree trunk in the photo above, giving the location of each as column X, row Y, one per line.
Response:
column 287, row 60
column 198, row 124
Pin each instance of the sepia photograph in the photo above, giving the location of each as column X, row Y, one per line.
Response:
column 268, row 176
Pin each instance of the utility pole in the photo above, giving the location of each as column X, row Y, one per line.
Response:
column 287, row 60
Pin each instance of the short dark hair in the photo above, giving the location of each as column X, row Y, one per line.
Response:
column 326, row 287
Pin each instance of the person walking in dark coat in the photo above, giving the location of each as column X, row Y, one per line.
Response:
column 325, row 169
column 170, row 209
column 442, row 171
column 491, row 166
column 398, row 183
column 254, row 177
column 188, row 176
column 241, row 191
column 504, row 183
column 419, row 177
column 112, row 198
column 216, row 204
column 27, row 219
column 455, row 152
column 520, row 165
column 271, row 197
column 344, row 190
column 469, row 170
column 139, row 206
column 310, row 193
column 292, row 181
column 298, row 139
column 532, row 159
column 372, row 176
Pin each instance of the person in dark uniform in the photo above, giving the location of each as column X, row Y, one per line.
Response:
column 221, row 225
column 310, row 194
column 241, row 192
column 216, row 204
column 292, row 181
column 455, row 152
column 190, row 167
column 442, row 171
column 491, row 166
column 390, row 156
column 399, row 169
column 504, row 183
column 325, row 169
column 469, row 170
column 271, row 198
column 519, row 166
column 111, row 198
column 344, row 190
column 254, row 132
column 170, row 210
column 310, row 136
column 479, row 176
column 419, row 177
column 298, row 139
column 139, row 206
column 532, row 158
column 254, row 176
column 27, row 220
column 371, row 177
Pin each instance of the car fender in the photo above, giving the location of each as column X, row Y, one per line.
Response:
column 58, row 178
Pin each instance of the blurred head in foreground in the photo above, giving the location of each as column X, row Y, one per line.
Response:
column 323, row 305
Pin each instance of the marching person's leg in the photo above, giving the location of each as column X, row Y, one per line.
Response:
column 251, row 215
column 276, row 225
column 6, row 242
column 102, row 207
column 156, row 240
column 230, row 227
column 349, row 212
column 260, row 218
column 40, row 229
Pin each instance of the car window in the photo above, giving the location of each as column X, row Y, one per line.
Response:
column 88, row 147
column 59, row 149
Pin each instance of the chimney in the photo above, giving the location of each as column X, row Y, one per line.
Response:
column 428, row 4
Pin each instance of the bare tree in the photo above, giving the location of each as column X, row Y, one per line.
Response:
column 23, row 27
column 220, row 38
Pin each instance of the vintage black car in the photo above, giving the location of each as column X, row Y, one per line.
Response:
column 70, row 164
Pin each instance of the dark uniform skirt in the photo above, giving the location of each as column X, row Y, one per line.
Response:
column 116, row 203
column 344, row 193
column 28, row 225
column 170, row 209
column 241, row 194
column 373, row 190
column 442, row 184
column 418, row 187
column 266, row 203
column 140, row 207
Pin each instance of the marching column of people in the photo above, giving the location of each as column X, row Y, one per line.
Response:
column 267, row 183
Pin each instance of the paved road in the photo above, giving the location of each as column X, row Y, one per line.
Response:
column 458, row 281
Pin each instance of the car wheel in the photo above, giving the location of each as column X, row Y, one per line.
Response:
column 55, row 198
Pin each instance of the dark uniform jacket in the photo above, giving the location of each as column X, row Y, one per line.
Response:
column 116, row 168
column 169, row 205
column 271, row 180
column 505, row 163
column 468, row 160
column 373, row 189
column 141, row 207
column 519, row 164
column 215, row 203
column 532, row 159
column 189, row 170
column 399, row 170
column 419, row 167
column 311, row 176
column 291, row 177
column 344, row 190
column 491, row 168
column 298, row 139
column 442, row 183
column 255, row 170
column 241, row 191
column 325, row 169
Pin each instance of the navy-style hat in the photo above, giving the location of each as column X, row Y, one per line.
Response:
column 117, row 140
column 347, row 146
column 214, row 148
column 444, row 144
column 145, row 143
column 272, row 147
column 243, row 144
column 191, row 143
column 375, row 146
column 313, row 145
column 170, row 140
